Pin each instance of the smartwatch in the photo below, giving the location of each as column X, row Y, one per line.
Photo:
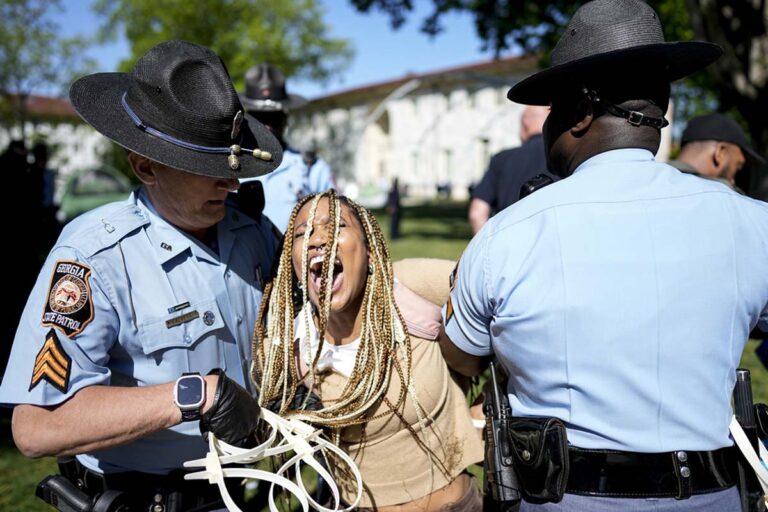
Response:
column 189, row 395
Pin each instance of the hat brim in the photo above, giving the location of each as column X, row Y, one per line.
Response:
column 753, row 155
column 671, row 61
column 292, row 102
column 97, row 98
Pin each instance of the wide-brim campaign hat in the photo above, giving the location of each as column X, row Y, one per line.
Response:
column 265, row 91
column 607, row 37
column 178, row 107
column 722, row 128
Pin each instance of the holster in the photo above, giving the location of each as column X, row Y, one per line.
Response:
column 540, row 452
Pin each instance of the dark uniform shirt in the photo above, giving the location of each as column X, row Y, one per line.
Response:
column 508, row 171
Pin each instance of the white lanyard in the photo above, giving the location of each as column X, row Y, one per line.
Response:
column 298, row 437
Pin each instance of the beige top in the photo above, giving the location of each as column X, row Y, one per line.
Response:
column 397, row 468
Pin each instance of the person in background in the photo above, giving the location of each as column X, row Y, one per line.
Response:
column 509, row 170
column 135, row 336
column 394, row 209
column 267, row 99
column 714, row 146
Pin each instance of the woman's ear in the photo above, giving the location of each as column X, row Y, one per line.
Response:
column 142, row 168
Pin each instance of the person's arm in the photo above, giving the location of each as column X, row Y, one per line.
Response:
column 458, row 360
column 98, row 417
column 479, row 213
column 465, row 339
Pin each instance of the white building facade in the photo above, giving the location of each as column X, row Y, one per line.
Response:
column 428, row 130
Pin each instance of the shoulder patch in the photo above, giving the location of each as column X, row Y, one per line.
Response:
column 448, row 310
column 52, row 364
column 454, row 273
column 69, row 307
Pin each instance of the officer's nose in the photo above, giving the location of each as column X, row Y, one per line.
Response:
column 229, row 184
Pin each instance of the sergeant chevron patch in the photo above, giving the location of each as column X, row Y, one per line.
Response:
column 52, row 364
column 69, row 307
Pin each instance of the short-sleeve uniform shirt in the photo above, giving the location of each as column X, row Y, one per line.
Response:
column 126, row 299
column 619, row 300
column 293, row 180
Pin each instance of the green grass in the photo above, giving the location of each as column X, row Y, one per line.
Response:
column 430, row 230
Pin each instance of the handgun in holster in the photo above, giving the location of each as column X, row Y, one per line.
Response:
column 66, row 493
column 500, row 477
column 754, row 421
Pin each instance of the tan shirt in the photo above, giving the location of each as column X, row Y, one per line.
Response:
column 396, row 467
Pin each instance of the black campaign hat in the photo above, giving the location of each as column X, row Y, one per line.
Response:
column 721, row 128
column 606, row 33
column 265, row 91
column 178, row 107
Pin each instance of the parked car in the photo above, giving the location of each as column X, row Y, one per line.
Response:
column 91, row 187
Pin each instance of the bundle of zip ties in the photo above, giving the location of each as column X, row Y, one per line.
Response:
column 286, row 435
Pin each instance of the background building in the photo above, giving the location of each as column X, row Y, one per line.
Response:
column 434, row 131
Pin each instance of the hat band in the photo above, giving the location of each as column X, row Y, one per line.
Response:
column 232, row 150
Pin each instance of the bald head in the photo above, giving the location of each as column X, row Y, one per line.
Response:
column 532, row 121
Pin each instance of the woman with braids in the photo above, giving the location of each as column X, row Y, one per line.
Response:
column 330, row 322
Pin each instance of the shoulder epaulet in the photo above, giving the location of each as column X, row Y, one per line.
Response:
column 103, row 228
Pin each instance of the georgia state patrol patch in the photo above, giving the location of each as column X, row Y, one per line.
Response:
column 52, row 364
column 69, row 307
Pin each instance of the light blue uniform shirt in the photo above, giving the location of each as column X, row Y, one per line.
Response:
column 145, row 275
column 293, row 180
column 619, row 300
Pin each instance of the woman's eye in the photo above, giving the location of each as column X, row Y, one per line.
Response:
column 298, row 234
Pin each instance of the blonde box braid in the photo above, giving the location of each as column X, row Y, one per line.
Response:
column 383, row 336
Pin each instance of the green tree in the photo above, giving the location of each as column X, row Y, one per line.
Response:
column 738, row 82
column 287, row 33
column 34, row 56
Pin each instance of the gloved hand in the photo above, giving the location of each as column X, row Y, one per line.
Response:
column 234, row 414
column 313, row 404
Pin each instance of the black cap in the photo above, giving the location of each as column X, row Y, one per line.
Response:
column 721, row 128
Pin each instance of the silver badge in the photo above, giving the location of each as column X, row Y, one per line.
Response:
column 236, row 122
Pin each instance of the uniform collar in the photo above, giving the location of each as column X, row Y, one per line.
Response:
column 616, row 155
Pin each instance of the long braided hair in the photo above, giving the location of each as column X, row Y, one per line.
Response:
column 384, row 348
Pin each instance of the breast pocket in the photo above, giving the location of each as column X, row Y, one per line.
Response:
column 185, row 340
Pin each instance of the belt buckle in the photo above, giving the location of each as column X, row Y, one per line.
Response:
column 635, row 118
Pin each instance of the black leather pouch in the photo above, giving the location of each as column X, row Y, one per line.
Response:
column 540, row 451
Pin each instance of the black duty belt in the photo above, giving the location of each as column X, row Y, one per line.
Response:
column 676, row 474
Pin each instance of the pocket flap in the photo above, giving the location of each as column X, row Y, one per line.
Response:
column 181, row 329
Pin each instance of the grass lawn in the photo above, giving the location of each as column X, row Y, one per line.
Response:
column 430, row 230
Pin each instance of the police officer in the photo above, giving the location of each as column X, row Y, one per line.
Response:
column 618, row 299
column 267, row 99
column 714, row 146
column 140, row 300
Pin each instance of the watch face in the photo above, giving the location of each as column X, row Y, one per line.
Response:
column 189, row 391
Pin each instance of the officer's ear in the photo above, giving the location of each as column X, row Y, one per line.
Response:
column 142, row 168
column 719, row 154
column 584, row 115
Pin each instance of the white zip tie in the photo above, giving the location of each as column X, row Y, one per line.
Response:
column 298, row 437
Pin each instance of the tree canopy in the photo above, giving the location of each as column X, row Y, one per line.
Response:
column 289, row 34
column 33, row 56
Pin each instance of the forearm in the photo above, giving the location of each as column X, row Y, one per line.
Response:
column 458, row 360
column 479, row 213
column 95, row 418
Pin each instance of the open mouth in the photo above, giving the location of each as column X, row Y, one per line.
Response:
column 315, row 273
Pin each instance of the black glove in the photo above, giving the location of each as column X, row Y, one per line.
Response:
column 313, row 404
column 234, row 414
